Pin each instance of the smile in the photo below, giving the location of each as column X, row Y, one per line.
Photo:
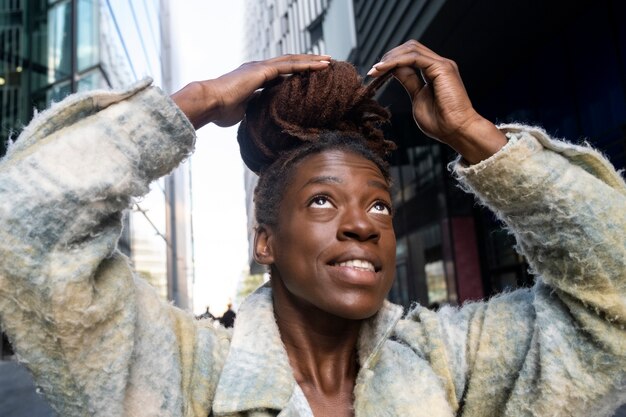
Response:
column 358, row 264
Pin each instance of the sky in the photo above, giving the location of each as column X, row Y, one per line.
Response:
column 207, row 41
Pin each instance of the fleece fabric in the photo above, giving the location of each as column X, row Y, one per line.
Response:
column 99, row 342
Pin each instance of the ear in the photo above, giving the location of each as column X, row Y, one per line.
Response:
column 263, row 251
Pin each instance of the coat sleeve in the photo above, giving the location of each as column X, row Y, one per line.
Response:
column 97, row 340
column 559, row 348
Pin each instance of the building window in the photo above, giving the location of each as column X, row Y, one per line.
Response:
column 57, row 92
column 316, row 32
column 51, row 50
column 91, row 80
column 399, row 293
column 59, row 46
column 284, row 25
column 87, row 53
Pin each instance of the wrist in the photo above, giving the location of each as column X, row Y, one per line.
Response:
column 196, row 102
column 478, row 140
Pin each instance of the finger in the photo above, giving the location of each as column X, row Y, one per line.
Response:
column 298, row 62
column 409, row 47
column 291, row 67
column 292, row 64
column 253, row 75
column 410, row 79
column 397, row 56
column 299, row 57
column 410, row 59
column 419, row 47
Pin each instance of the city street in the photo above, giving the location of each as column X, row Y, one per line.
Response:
column 17, row 393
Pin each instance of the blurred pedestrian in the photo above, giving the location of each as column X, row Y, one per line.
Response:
column 206, row 315
column 228, row 318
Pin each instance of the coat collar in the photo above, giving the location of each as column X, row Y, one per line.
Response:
column 257, row 374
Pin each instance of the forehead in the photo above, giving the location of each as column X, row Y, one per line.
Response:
column 339, row 166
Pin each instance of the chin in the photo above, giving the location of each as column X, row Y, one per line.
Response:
column 354, row 312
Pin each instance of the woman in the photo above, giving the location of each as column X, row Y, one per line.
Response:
column 320, row 339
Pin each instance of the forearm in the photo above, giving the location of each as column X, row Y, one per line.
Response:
column 67, row 298
column 565, row 207
column 561, row 345
column 80, row 162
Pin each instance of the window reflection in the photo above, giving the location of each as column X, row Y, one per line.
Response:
column 50, row 43
column 58, row 92
column 59, row 45
column 91, row 80
column 436, row 282
column 87, row 53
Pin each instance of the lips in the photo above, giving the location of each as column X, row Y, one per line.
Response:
column 359, row 260
column 359, row 264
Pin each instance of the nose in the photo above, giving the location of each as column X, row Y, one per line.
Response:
column 357, row 224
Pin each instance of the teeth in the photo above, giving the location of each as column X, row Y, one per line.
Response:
column 358, row 264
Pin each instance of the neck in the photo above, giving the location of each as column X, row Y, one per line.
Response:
column 321, row 347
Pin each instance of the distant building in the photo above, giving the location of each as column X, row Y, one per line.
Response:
column 520, row 61
column 49, row 49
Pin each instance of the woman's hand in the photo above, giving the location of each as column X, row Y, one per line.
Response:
column 223, row 100
column 441, row 107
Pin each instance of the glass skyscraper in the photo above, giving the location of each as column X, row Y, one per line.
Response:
column 51, row 48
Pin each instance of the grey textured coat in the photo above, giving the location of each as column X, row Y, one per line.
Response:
column 100, row 343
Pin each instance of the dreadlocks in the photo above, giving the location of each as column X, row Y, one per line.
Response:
column 304, row 114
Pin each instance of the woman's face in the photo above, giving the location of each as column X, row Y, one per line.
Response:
column 334, row 247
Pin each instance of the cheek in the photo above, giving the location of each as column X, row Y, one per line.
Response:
column 302, row 243
column 390, row 256
column 389, row 239
column 310, row 234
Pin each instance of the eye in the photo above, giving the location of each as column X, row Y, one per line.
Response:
column 380, row 207
column 320, row 201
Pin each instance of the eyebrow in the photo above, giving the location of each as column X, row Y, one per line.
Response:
column 323, row 179
column 328, row 179
column 378, row 184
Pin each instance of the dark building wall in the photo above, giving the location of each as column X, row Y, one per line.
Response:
column 557, row 64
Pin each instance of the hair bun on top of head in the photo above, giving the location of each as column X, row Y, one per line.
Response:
column 298, row 108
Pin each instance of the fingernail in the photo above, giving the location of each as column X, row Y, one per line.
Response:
column 325, row 62
column 370, row 72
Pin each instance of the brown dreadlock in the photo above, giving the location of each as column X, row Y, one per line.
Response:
column 308, row 113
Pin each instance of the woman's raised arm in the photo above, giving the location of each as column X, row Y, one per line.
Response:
column 560, row 348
